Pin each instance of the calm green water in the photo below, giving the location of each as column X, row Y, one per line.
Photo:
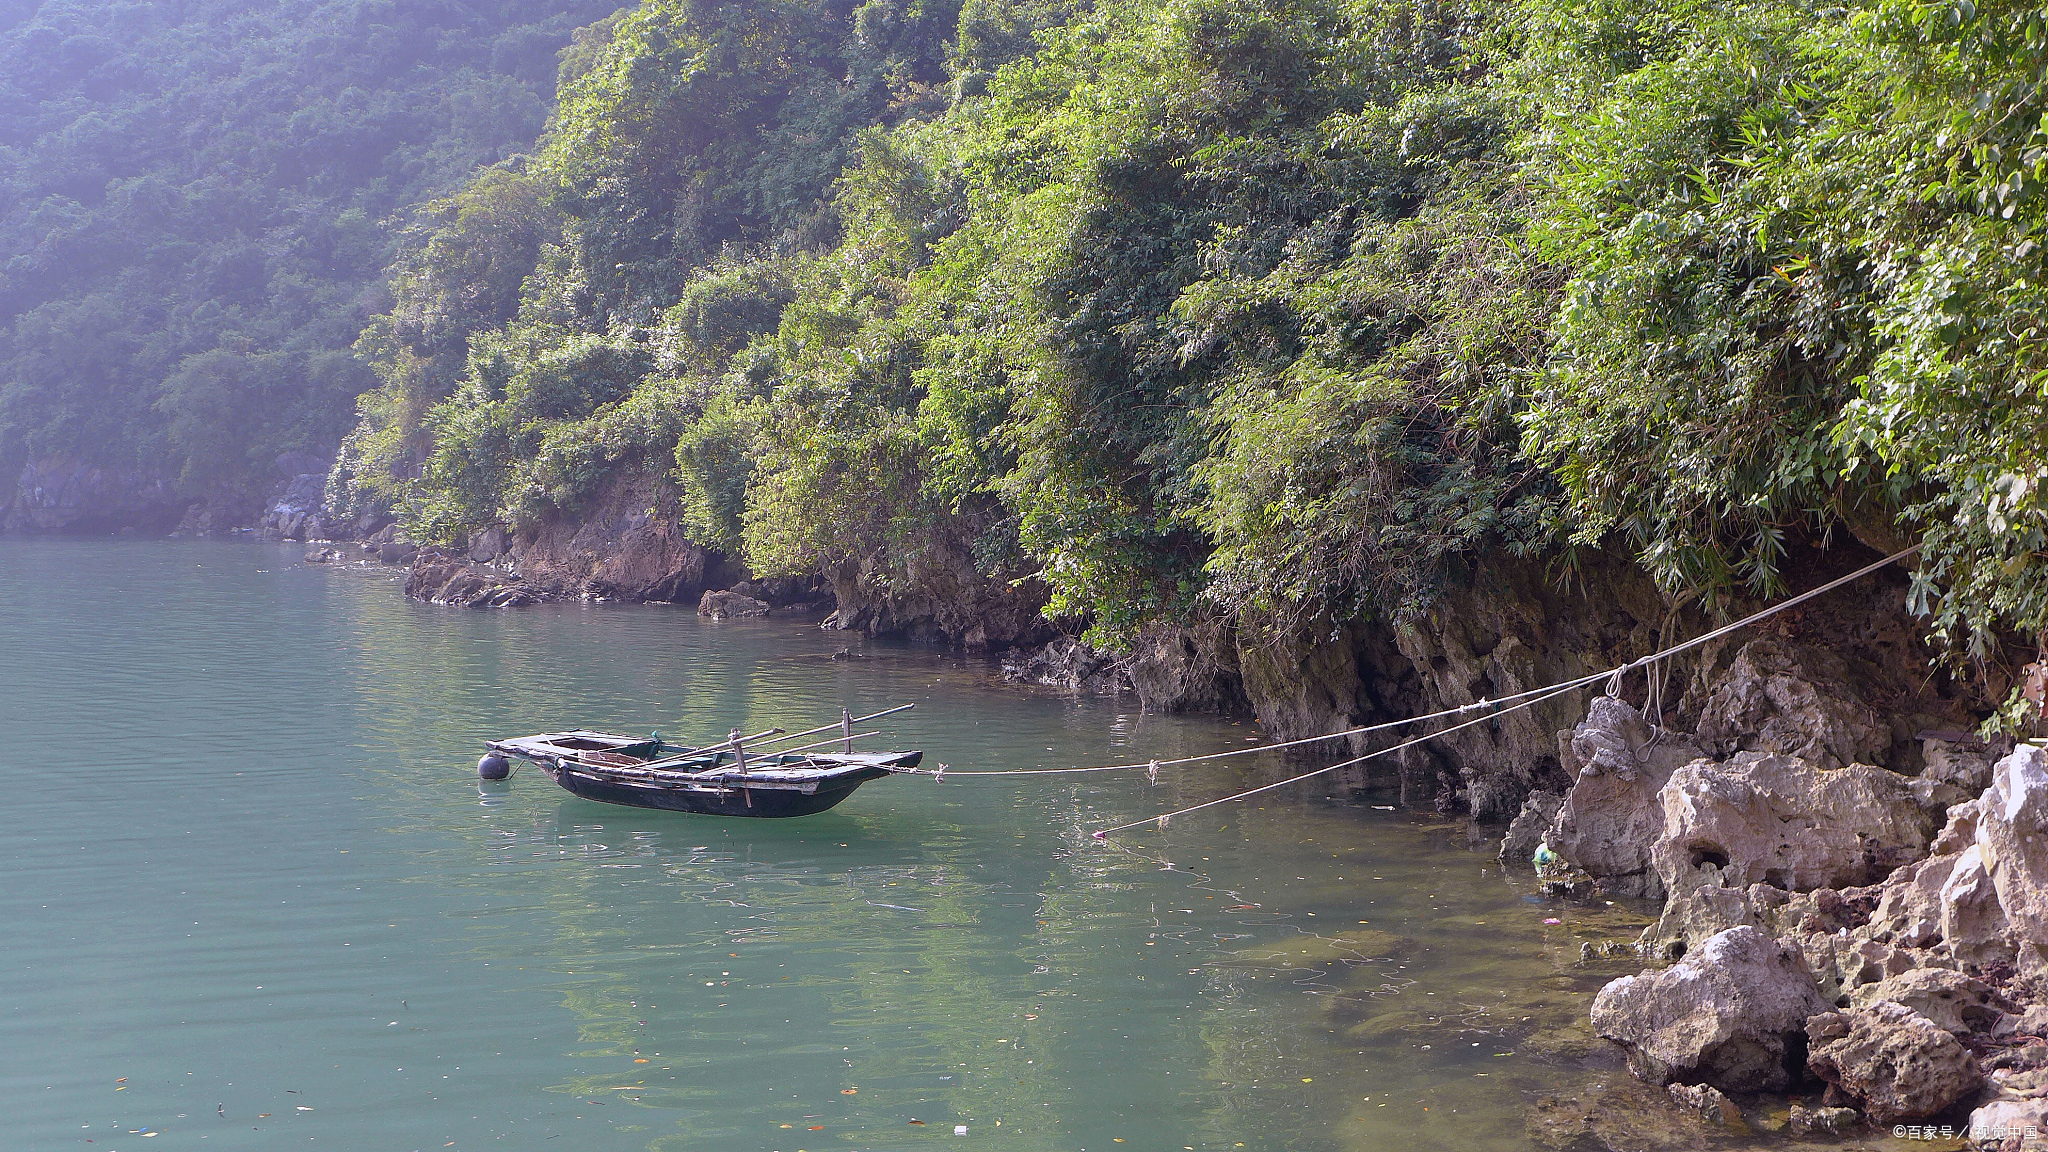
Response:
column 256, row 899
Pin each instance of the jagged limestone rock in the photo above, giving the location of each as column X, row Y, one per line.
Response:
column 1783, row 821
column 1612, row 816
column 1896, row 1062
column 1066, row 664
column 1792, row 699
column 1526, row 832
column 1187, row 668
column 1843, row 962
column 2012, row 839
column 1965, row 763
column 441, row 578
column 1726, row 1015
column 1954, row 1002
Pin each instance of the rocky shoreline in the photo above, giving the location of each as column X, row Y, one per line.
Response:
column 1867, row 945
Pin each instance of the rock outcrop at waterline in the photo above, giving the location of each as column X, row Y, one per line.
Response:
column 440, row 577
column 1835, row 925
column 1727, row 1015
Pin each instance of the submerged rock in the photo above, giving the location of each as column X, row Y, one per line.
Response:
column 1710, row 1104
column 726, row 605
column 1896, row 1062
column 1824, row 1121
column 1618, row 1114
column 1727, row 1015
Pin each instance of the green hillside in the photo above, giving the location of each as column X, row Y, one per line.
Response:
column 1269, row 310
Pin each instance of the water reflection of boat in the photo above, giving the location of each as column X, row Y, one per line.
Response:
column 726, row 779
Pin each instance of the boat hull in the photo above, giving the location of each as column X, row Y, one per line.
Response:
column 650, row 773
column 714, row 800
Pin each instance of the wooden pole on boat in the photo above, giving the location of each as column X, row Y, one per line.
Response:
column 822, row 743
column 837, row 723
column 739, row 754
column 846, row 726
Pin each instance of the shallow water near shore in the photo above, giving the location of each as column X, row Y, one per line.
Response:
column 257, row 899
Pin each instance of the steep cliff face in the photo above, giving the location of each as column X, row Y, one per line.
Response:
column 1503, row 628
column 616, row 547
column 1506, row 627
column 58, row 494
column 940, row 596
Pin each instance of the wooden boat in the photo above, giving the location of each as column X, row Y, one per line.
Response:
column 716, row 780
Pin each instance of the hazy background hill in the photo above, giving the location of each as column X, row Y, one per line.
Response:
column 198, row 202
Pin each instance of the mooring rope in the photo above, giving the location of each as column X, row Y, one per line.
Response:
column 1504, row 704
column 1534, row 697
column 1161, row 821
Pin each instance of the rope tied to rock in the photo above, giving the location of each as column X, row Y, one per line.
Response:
column 1524, row 700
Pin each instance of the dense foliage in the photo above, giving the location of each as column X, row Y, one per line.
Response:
column 1273, row 310
column 197, row 208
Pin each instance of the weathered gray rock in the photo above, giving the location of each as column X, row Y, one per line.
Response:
column 1187, row 668
column 1690, row 918
column 1974, row 927
column 1959, row 760
column 2030, row 1020
column 1526, row 831
column 615, row 547
column 486, row 545
column 1724, row 1015
column 1954, row 1002
column 1844, row 962
column 1066, row 664
column 2012, row 839
column 443, row 578
column 1824, row 1121
column 1892, row 1059
column 1790, row 699
column 1710, row 1104
column 1909, row 909
column 1763, row 818
column 2002, row 1124
column 727, row 605
column 59, row 494
column 1612, row 816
